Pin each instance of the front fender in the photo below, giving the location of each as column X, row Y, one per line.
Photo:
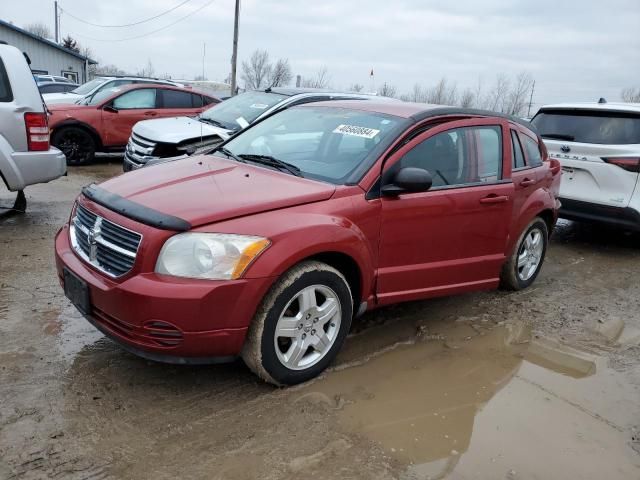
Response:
column 304, row 235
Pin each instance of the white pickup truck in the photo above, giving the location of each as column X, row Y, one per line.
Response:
column 26, row 156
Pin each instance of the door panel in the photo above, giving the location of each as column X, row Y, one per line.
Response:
column 132, row 107
column 451, row 238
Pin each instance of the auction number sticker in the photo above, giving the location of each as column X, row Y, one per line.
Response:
column 259, row 106
column 356, row 131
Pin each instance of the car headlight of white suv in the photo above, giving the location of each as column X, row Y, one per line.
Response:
column 211, row 256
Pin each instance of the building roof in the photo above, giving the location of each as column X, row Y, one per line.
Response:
column 45, row 41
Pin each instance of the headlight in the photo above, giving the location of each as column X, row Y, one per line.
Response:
column 213, row 256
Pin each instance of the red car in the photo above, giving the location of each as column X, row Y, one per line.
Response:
column 270, row 246
column 103, row 122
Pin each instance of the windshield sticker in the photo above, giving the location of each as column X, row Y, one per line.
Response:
column 259, row 106
column 242, row 122
column 356, row 131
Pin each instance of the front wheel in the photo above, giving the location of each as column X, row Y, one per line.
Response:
column 76, row 144
column 525, row 262
column 300, row 325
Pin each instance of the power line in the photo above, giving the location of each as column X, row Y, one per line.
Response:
column 148, row 33
column 125, row 24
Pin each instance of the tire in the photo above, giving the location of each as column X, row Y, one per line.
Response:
column 527, row 257
column 308, row 339
column 76, row 143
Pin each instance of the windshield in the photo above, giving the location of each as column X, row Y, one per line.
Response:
column 89, row 86
column 100, row 96
column 240, row 111
column 589, row 126
column 323, row 143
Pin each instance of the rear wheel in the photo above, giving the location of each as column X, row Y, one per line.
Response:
column 300, row 325
column 76, row 143
column 525, row 262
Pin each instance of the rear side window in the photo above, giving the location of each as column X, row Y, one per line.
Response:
column 53, row 88
column 197, row 100
column 176, row 99
column 517, row 158
column 6, row 95
column 589, row 126
column 534, row 157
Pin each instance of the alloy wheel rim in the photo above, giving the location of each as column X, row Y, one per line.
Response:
column 308, row 327
column 530, row 254
column 74, row 148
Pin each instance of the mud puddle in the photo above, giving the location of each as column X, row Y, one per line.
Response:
column 490, row 399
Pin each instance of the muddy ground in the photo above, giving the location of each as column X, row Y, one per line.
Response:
column 540, row 384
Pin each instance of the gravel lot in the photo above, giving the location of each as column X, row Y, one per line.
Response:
column 543, row 383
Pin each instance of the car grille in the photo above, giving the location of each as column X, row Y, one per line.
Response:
column 139, row 150
column 109, row 247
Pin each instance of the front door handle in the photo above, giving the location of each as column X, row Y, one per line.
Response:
column 151, row 114
column 491, row 199
column 527, row 182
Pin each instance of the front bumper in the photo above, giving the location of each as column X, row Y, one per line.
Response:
column 165, row 318
column 628, row 218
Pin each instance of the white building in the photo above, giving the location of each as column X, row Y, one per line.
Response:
column 46, row 56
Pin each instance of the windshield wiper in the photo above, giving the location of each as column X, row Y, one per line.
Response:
column 272, row 162
column 210, row 121
column 558, row 136
column 229, row 154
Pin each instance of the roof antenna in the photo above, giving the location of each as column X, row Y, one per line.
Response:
column 602, row 100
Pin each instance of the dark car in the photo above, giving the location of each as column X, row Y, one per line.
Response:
column 56, row 87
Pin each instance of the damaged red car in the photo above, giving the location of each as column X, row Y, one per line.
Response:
column 268, row 247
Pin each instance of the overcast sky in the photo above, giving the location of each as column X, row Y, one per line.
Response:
column 576, row 50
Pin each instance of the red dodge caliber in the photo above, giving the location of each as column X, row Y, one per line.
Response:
column 268, row 247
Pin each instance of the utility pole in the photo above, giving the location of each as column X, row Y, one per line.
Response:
column 234, row 57
column 55, row 8
column 533, row 87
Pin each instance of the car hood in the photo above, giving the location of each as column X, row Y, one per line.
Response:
column 177, row 129
column 204, row 189
column 55, row 98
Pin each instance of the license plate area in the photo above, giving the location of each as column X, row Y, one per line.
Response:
column 77, row 291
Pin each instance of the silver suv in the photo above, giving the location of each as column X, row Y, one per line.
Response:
column 165, row 139
column 26, row 157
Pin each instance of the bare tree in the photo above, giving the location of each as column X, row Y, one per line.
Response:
column 280, row 74
column 147, row 70
column 631, row 95
column 109, row 70
column 497, row 96
column 467, row 99
column 40, row 29
column 199, row 78
column 417, row 94
column 518, row 97
column 356, row 87
column 442, row 93
column 256, row 72
column 321, row 79
column 387, row 90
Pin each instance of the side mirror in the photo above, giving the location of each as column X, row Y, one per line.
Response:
column 110, row 108
column 407, row 180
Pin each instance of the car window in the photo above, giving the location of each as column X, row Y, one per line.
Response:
column 588, row 126
column 534, row 158
column 517, row 157
column 460, row 156
column 88, row 87
column 6, row 95
column 313, row 139
column 197, row 100
column 241, row 110
column 144, row 98
column 52, row 88
column 176, row 99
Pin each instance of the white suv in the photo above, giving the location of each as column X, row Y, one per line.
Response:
column 26, row 156
column 598, row 145
column 98, row 84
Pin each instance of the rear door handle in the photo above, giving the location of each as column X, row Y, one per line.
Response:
column 494, row 199
column 527, row 182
